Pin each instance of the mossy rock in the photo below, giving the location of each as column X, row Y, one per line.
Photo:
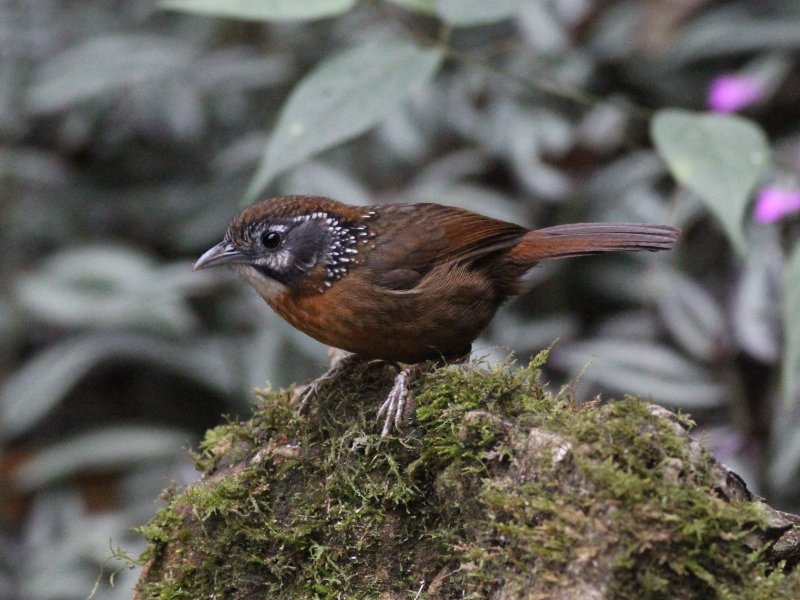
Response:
column 499, row 489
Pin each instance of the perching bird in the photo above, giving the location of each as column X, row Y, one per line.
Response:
column 405, row 283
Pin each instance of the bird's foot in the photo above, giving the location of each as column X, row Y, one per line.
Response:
column 340, row 361
column 312, row 389
column 398, row 402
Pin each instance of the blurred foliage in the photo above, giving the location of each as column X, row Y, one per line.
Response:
column 130, row 133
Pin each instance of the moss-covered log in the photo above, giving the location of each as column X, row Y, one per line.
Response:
column 499, row 490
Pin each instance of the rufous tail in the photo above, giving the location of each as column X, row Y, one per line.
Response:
column 591, row 238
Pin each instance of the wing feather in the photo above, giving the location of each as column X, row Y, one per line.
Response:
column 416, row 237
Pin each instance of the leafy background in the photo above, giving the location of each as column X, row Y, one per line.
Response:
column 131, row 132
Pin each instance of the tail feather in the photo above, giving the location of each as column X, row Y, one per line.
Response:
column 592, row 238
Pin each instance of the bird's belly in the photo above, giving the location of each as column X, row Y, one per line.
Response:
column 377, row 323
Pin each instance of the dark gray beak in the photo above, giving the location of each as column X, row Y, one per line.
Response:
column 222, row 254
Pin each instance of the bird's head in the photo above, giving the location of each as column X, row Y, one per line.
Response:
column 287, row 242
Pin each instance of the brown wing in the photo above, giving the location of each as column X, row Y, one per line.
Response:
column 416, row 237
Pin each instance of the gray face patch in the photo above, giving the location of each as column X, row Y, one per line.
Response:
column 343, row 243
column 286, row 249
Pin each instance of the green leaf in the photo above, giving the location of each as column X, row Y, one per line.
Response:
column 755, row 316
column 645, row 369
column 426, row 7
column 791, row 322
column 108, row 286
column 692, row 315
column 718, row 157
column 477, row 12
column 262, row 10
column 722, row 34
column 109, row 449
column 341, row 98
column 46, row 379
column 103, row 65
column 785, row 456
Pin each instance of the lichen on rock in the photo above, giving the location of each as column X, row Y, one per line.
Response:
column 499, row 489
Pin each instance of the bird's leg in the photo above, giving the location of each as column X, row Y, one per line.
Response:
column 395, row 403
column 339, row 361
column 399, row 401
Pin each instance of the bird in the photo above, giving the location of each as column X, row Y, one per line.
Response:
column 402, row 283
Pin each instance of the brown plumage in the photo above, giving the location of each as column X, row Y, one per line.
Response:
column 400, row 282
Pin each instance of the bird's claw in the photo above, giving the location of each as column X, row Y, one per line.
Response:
column 339, row 362
column 309, row 392
column 394, row 406
column 393, row 410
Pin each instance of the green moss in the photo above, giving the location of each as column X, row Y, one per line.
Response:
column 500, row 485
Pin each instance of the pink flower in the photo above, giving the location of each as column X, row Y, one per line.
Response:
column 776, row 202
column 729, row 93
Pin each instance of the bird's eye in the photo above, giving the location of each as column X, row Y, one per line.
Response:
column 271, row 240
